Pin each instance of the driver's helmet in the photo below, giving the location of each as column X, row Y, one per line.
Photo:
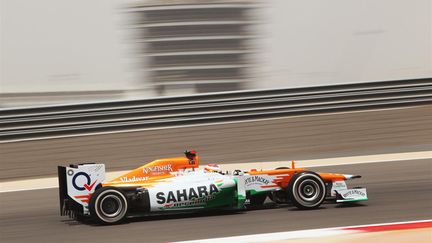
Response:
column 190, row 154
column 212, row 168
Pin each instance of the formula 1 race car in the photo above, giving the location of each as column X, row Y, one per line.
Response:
column 177, row 184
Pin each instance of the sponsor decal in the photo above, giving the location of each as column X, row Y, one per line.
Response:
column 256, row 180
column 86, row 185
column 83, row 198
column 195, row 194
column 339, row 184
column 133, row 179
column 159, row 169
column 353, row 193
column 336, row 186
column 193, row 203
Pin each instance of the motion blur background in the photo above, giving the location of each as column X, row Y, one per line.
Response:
column 128, row 51
column 62, row 51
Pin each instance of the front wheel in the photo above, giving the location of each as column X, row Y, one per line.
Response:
column 306, row 190
column 108, row 205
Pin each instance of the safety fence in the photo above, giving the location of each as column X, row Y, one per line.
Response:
column 116, row 116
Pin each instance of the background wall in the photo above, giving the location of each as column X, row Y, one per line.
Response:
column 68, row 46
column 63, row 45
column 314, row 42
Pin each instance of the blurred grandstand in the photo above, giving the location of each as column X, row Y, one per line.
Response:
column 200, row 46
column 87, row 51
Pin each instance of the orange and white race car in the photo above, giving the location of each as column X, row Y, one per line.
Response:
column 178, row 184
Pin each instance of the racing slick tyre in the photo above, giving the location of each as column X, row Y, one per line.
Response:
column 108, row 205
column 306, row 190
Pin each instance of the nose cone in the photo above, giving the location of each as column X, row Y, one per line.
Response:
column 350, row 177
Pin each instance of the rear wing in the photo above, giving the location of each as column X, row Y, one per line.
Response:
column 76, row 185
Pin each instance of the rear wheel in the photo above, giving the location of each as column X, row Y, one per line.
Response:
column 307, row 190
column 108, row 205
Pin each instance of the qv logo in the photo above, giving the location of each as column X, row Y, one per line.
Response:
column 87, row 183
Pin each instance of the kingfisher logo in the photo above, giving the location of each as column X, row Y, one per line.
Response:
column 82, row 181
column 158, row 169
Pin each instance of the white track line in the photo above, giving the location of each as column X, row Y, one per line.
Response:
column 299, row 234
column 52, row 182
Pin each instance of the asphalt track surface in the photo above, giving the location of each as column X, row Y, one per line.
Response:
column 398, row 191
column 301, row 137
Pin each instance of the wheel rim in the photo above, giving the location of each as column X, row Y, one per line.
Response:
column 309, row 190
column 111, row 206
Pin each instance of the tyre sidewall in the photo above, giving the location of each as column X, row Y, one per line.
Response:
column 96, row 200
column 294, row 194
